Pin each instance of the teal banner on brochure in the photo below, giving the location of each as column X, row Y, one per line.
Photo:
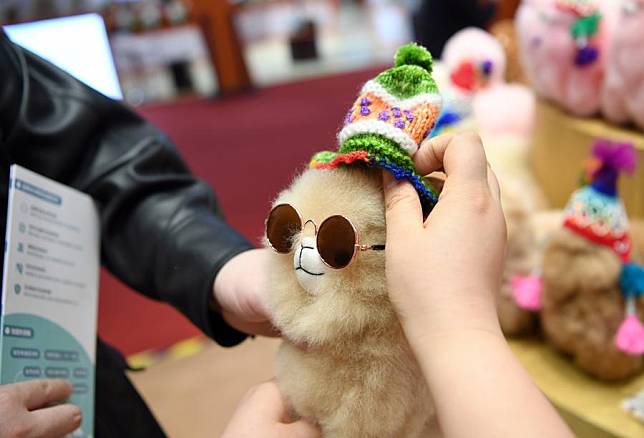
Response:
column 50, row 288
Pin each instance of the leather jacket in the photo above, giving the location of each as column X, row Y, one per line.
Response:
column 162, row 231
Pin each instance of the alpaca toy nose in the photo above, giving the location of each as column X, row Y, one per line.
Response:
column 308, row 264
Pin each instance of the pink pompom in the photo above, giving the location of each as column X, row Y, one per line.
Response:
column 526, row 291
column 630, row 336
column 619, row 156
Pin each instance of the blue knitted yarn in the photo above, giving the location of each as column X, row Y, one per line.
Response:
column 427, row 197
column 446, row 119
column 631, row 280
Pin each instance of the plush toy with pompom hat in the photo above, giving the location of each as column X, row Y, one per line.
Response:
column 597, row 213
column 344, row 362
column 392, row 115
column 589, row 291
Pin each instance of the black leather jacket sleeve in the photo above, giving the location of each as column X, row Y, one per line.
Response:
column 162, row 231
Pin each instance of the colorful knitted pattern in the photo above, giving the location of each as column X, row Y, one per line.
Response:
column 595, row 211
column 390, row 118
column 600, row 219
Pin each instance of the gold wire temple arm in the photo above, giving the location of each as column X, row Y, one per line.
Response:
column 372, row 247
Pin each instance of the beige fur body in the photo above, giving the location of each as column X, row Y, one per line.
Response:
column 345, row 362
column 583, row 305
column 522, row 256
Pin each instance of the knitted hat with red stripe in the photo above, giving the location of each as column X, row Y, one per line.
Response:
column 595, row 211
column 392, row 115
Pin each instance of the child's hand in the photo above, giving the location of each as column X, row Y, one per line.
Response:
column 442, row 273
column 239, row 292
column 441, row 276
column 262, row 413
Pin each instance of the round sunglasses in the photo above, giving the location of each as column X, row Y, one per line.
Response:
column 336, row 237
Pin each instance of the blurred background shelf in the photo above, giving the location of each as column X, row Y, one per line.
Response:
column 561, row 142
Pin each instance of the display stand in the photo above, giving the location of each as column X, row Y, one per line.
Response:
column 590, row 407
column 562, row 142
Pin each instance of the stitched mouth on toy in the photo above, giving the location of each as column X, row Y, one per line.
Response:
column 300, row 268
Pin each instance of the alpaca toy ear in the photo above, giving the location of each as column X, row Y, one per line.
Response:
column 630, row 336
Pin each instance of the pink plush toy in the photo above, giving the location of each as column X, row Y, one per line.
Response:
column 505, row 110
column 475, row 63
column 474, row 59
column 563, row 50
column 623, row 91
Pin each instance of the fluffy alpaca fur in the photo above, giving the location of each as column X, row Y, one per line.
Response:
column 344, row 361
column 623, row 88
column 583, row 305
column 521, row 259
column 526, row 231
column 547, row 52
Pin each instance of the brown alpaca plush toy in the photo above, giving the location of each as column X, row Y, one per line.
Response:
column 592, row 291
column 344, row 362
column 521, row 260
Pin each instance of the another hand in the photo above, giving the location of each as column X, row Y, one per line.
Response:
column 239, row 292
column 262, row 413
column 28, row 409
column 442, row 273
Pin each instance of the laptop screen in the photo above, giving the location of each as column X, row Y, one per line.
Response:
column 77, row 44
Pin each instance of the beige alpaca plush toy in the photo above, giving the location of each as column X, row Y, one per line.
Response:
column 344, row 362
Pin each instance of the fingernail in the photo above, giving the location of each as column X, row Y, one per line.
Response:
column 78, row 416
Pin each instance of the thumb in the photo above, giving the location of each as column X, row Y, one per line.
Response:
column 402, row 205
column 300, row 429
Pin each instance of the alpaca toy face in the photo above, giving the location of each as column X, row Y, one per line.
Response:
column 310, row 301
column 307, row 262
column 334, row 244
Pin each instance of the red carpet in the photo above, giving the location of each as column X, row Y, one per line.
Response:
column 248, row 148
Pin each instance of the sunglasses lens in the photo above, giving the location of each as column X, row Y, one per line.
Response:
column 283, row 222
column 336, row 241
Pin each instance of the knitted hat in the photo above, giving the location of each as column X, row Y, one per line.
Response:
column 394, row 112
column 595, row 211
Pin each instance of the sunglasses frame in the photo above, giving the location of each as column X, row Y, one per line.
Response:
column 357, row 247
